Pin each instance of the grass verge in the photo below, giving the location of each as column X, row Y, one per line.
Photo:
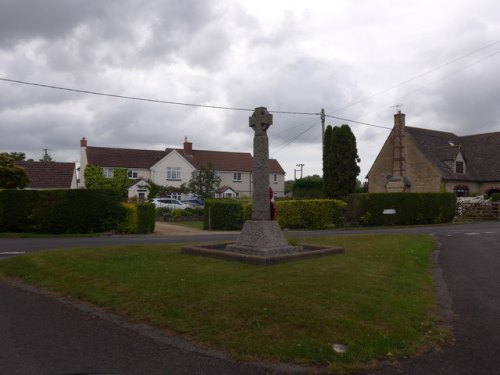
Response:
column 377, row 299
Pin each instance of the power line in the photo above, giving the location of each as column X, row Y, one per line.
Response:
column 419, row 76
column 358, row 122
column 81, row 91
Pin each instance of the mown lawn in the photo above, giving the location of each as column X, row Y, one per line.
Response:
column 377, row 299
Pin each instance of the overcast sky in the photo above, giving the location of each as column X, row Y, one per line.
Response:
column 356, row 59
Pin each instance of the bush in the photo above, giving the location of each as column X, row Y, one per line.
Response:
column 410, row 208
column 309, row 214
column 223, row 214
column 139, row 218
column 495, row 197
column 60, row 211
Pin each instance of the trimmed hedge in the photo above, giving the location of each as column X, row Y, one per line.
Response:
column 60, row 211
column 411, row 208
column 309, row 214
column 139, row 218
column 223, row 214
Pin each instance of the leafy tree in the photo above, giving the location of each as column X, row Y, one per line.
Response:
column 17, row 156
column 11, row 176
column 204, row 182
column 341, row 156
column 159, row 191
column 289, row 186
column 308, row 187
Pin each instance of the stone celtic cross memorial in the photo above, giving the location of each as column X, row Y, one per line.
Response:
column 261, row 235
column 261, row 240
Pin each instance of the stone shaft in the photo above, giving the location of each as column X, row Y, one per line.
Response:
column 260, row 122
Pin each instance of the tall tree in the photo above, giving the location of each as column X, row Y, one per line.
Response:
column 342, row 162
column 11, row 176
column 204, row 182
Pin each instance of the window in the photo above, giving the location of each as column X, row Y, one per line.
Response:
column 108, row 172
column 132, row 173
column 459, row 167
column 173, row 173
column 275, row 178
column 237, row 177
column 461, row 190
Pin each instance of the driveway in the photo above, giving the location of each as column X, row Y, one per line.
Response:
column 71, row 340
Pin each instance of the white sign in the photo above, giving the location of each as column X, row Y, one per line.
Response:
column 389, row 211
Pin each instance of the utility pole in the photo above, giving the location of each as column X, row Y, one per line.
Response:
column 322, row 116
column 301, row 166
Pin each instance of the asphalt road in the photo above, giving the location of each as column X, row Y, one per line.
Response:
column 42, row 335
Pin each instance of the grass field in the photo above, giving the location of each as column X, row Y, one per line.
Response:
column 377, row 299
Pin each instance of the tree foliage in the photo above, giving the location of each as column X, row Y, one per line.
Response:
column 308, row 187
column 17, row 156
column 204, row 182
column 340, row 162
column 11, row 176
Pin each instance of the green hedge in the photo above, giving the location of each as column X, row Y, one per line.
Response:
column 60, row 211
column 139, row 218
column 223, row 214
column 495, row 197
column 411, row 208
column 310, row 214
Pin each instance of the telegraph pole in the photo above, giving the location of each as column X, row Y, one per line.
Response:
column 322, row 116
column 301, row 166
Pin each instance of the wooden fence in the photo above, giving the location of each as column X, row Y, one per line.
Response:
column 481, row 211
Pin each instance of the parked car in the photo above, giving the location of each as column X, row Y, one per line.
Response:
column 172, row 204
column 194, row 202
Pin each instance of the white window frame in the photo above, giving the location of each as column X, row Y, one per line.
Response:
column 175, row 195
column 275, row 178
column 108, row 172
column 132, row 174
column 237, row 177
column 174, row 173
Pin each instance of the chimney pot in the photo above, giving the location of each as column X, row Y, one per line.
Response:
column 83, row 142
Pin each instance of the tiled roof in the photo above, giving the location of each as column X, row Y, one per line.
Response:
column 123, row 157
column 53, row 175
column 133, row 158
column 481, row 153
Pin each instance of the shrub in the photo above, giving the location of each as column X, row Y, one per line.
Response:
column 495, row 197
column 309, row 214
column 139, row 218
column 410, row 208
column 223, row 214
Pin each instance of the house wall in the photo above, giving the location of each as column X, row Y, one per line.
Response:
column 243, row 187
column 422, row 175
column 279, row 185
column 173, row 159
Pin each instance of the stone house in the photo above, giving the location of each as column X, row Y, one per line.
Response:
column 49, row 175
column 423, row 160
column 174, row 166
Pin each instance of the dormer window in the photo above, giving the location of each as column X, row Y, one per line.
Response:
column 459, row 167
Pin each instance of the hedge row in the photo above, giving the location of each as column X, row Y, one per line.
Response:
column 60, row 211
column 223, row 214
column 408, row 208
column 310, row 214
column 139, row 218
column 227, row 214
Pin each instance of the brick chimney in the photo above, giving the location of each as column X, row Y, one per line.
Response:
column 398, row 144
column 188, row 147
column 83, row 142
column 398, row 182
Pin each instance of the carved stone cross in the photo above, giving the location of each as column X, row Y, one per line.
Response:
column 260, row 121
